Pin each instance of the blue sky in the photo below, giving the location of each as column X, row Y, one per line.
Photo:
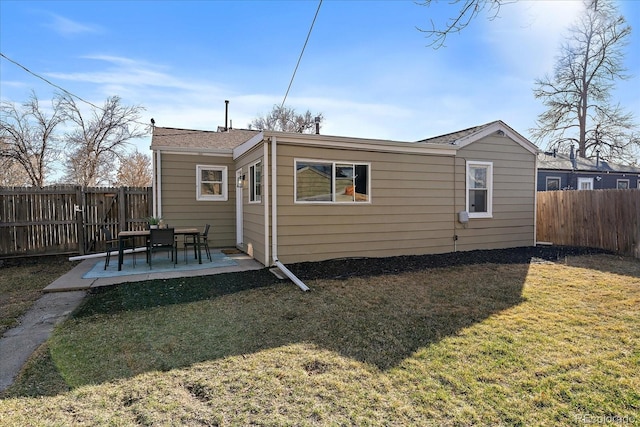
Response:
column 366, row 66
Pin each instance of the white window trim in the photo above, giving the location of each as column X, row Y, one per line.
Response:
column 225, row 184
column 489, row 212
column 583, row 179
column 553, row 177
column 253, row 198
column 618, row 181
column 333, row 192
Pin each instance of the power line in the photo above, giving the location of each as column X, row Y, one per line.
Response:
column 60, row 87
column 47, row 81
column 301, row 53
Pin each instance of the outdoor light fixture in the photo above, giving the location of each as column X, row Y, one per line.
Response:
column 241, row 181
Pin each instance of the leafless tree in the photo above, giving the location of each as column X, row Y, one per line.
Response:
column 29, row 143
column 285, row 119
column 468, row 10
column 97, row 141
column 135, row 170
column 12, row 174
column 580, row 110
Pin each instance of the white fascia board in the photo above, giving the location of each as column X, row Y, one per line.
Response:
column 361, row 144
column 221, row 152
column 492, row 128
column 247, row 145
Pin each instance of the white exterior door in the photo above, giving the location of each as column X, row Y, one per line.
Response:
column 239, row 219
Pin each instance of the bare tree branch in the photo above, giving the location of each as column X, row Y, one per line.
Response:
column 29, row 139
column 135, row 170
column 468, row 11
column 96, row 143
column 285, row 119
column 578, row 94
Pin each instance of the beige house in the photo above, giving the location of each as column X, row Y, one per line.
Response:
column 293, row 197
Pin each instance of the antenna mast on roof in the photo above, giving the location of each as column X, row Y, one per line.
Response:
column 226, row 115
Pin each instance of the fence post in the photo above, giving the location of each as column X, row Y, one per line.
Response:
column 122, row 213
column 79, row 210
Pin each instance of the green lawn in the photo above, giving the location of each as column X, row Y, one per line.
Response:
column 489, row 344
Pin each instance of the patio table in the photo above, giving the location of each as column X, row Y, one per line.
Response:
column 124, row 235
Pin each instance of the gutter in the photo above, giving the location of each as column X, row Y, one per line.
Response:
column 274, row 219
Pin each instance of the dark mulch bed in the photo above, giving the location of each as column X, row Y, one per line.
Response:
column 158, row 292
column 351, row 267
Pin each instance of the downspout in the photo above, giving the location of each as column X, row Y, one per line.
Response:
column 535, row 200
column 265, row 196
column 274, row 219
column 157, row 182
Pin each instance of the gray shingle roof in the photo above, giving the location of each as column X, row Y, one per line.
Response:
column 188, row 138
column 450, row 138
column 563, row 162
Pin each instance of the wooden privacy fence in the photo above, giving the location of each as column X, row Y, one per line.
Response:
column 606, row 219
column 68, row 219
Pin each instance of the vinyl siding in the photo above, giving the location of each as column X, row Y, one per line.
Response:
column 410, row 210
column 513, row 221
column 179, row 205
column 252, row 213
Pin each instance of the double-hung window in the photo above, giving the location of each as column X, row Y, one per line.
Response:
column 622, row 184
column 255, row 182
column 585, row 183
column 553, row 183
column 479, row 189
column 332, row 182
column 211, row 183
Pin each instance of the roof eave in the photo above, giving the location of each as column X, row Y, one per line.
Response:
column 496, row 126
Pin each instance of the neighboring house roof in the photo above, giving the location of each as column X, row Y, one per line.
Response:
column 199, row 140
column 565, row 163
column 465, row 137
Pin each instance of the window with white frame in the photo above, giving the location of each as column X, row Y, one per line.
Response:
column 553, row 183
column 255, row 182
column 585, row 183
column 211, row 183
column 622, row 184
column 331, row 182
column 480, row 189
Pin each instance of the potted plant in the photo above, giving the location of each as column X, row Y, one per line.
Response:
column 153, row 221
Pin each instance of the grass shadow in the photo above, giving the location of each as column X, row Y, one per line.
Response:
column 376, row 311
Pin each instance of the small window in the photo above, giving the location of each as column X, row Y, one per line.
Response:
column 255, row 182
column 211, row 183
column 622, row 184
column 480, row 189
column 585, row 183
column 553, row 183
column 333, row 182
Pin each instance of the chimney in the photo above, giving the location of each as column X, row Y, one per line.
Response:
column 317, row 121
column 572, row 157
column 226, row 115
column 597, row 159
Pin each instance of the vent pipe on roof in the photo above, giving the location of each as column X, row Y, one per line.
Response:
column 597, row 159
column 572, row 157
column 226, row 115
column 317, row 121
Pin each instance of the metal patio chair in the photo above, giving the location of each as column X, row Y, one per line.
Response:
column 162, row 239
column 204, row 241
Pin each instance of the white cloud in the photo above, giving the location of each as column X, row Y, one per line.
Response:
column 68, row 27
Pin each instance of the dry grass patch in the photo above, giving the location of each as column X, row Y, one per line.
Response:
column 22, row 281
column 539, row 344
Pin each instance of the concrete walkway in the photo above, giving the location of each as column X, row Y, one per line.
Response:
column 63, row 296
